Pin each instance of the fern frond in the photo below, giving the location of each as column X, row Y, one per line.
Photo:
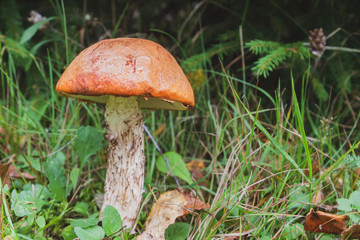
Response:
column 270, row 61
column 261, row 47
column 275, row 54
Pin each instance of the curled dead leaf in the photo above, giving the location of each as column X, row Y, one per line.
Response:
column 353, row 232
column 322, row 222
column 166, row 210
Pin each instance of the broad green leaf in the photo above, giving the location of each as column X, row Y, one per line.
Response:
column 40, row 220
column 344, row 205
column 74, row 176
column 68, row 233
column 87, row 222
column 87, row 143
column 111, row 220
column 55, row 172
column 91, row 233
column 177, row 166
column 81, row 207
column 30, row 31
column 177, row 231
column 355, row 199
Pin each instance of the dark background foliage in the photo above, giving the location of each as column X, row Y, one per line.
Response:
column 187, row 28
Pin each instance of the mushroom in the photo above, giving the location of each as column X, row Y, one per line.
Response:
column 127, row 75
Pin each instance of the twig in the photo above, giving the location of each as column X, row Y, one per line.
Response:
column 165, row 158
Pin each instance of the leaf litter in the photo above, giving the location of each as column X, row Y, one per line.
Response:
column 170, row 206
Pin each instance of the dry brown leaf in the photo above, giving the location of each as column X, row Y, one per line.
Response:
column 353, row 232
column 4, row 172
column 193, row 203
column 164, row 212
column 322, row 222
column 13, row 173
column 318, row 197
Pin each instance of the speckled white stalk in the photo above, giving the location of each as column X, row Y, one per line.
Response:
column 125, row 170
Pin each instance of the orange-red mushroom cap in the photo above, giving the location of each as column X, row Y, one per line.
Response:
column 128, row 67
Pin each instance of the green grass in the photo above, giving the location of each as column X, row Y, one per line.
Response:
column 258, row 189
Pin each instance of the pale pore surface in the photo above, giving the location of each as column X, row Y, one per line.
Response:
column 125, row 170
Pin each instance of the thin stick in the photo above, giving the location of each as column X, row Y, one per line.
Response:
column 165, row 158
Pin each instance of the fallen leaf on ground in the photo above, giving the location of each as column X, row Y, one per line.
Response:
column 322, row 222
column 13, row 173
column 4, row 172
column 193, row 203
column 353, row 232
column 166, row 210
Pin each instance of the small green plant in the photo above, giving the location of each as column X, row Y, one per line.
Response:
column 88, row 229
column 351, row 206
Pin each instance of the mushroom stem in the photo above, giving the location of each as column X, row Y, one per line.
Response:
column 125, row 171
